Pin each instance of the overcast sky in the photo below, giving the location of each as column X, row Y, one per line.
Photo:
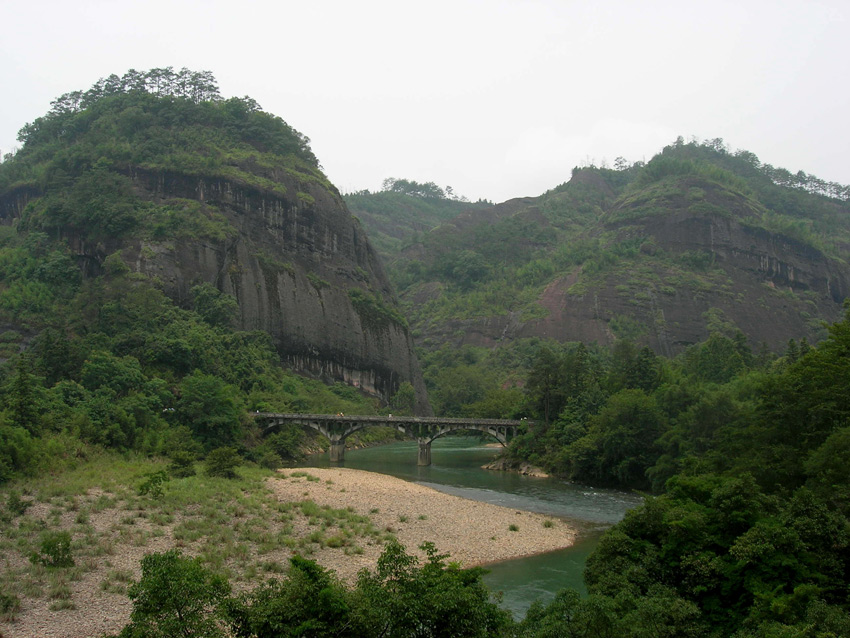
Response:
column 496, row 99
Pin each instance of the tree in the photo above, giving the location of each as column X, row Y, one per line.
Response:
column 626, row 430
column 404, row 400
column 545, row 381
column 21, row 397
column 104, row 370
column 209, row 407
column 213, row 306
column 718, row 359
column 310, row 601
column 176, row 596
column 402, row 599
column 460, row 386
column 222, row 462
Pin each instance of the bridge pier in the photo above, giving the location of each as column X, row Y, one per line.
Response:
column 337, row 451
column 424, row 429
column 424, row 452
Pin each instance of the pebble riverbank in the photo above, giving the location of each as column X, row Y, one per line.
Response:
column 473, row 533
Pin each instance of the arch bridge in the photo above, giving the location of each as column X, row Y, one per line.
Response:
column 337, row 427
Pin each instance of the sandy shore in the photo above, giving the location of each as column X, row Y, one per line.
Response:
column 474, row 533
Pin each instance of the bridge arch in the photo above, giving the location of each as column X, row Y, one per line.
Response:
column 337, row 428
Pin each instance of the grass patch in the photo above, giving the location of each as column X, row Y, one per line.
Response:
column 237, row 527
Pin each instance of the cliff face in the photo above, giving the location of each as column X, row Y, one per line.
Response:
column 291, row 258
column 770, row 286
column 664, row 265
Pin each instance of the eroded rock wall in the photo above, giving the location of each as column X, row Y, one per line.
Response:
column 291, row 258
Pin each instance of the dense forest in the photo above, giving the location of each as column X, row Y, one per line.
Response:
column 742, row 450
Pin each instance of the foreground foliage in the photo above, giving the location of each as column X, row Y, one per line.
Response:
column 750, row 536
column 176, row 595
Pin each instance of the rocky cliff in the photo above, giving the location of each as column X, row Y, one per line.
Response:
column 299, row 265
column 663, row 254
column 190, row 188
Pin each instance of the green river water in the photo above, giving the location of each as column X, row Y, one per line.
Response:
column 456, row 469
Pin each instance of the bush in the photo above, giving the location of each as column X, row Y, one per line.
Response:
column 9, row 606
column 153, row 485
column 15, row 505
column 222, row 462
column 182, row 464
column 270, row 460
column 55, row 550
column 176, row 596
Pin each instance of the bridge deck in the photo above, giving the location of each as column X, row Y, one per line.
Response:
column 391, row 419
column 337, row 427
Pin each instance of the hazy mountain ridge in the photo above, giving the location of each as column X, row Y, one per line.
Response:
column 697, row 240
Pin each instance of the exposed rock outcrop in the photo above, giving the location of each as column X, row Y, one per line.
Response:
column 706, row 260
column 292, row 258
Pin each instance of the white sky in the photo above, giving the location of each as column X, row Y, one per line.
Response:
column 496, row 98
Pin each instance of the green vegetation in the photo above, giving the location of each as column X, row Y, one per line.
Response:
column 373, row 310
column 596, row 236
column 235, row 527
column 749, row 536
column 124, row 394
column 54, row 550
column 80, row 159
column 177, row 595
column 116, row 364
column 108, row 360
column 397, row 215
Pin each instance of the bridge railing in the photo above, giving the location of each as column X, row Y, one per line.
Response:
column 383, row 419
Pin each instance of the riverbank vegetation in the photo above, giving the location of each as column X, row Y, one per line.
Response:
column 749, row 533
column 746, row 536
column 122, row 367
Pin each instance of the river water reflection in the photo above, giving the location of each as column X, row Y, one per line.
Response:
column 456, row 469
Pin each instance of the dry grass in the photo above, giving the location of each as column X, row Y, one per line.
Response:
column 237, row 527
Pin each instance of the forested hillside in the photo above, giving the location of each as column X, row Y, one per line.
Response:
column 655, row 323
column 154, row 237
column 396, row 215
column 750, row 536
column 699, row 239
column 186, row 188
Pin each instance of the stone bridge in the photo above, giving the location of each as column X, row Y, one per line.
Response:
column 424, row 429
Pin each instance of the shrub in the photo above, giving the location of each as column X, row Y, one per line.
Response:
column 222, row 462
column 15, row 505
column 55, row 550
column 9, row 606
column 270, row 460
column 182, row 464
column 176, row 596
column 153, row 485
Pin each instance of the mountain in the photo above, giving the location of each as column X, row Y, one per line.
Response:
column 404, row 209
column 697, row 240
column 185, row 188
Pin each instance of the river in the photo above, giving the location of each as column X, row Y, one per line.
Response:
column 456, row 469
